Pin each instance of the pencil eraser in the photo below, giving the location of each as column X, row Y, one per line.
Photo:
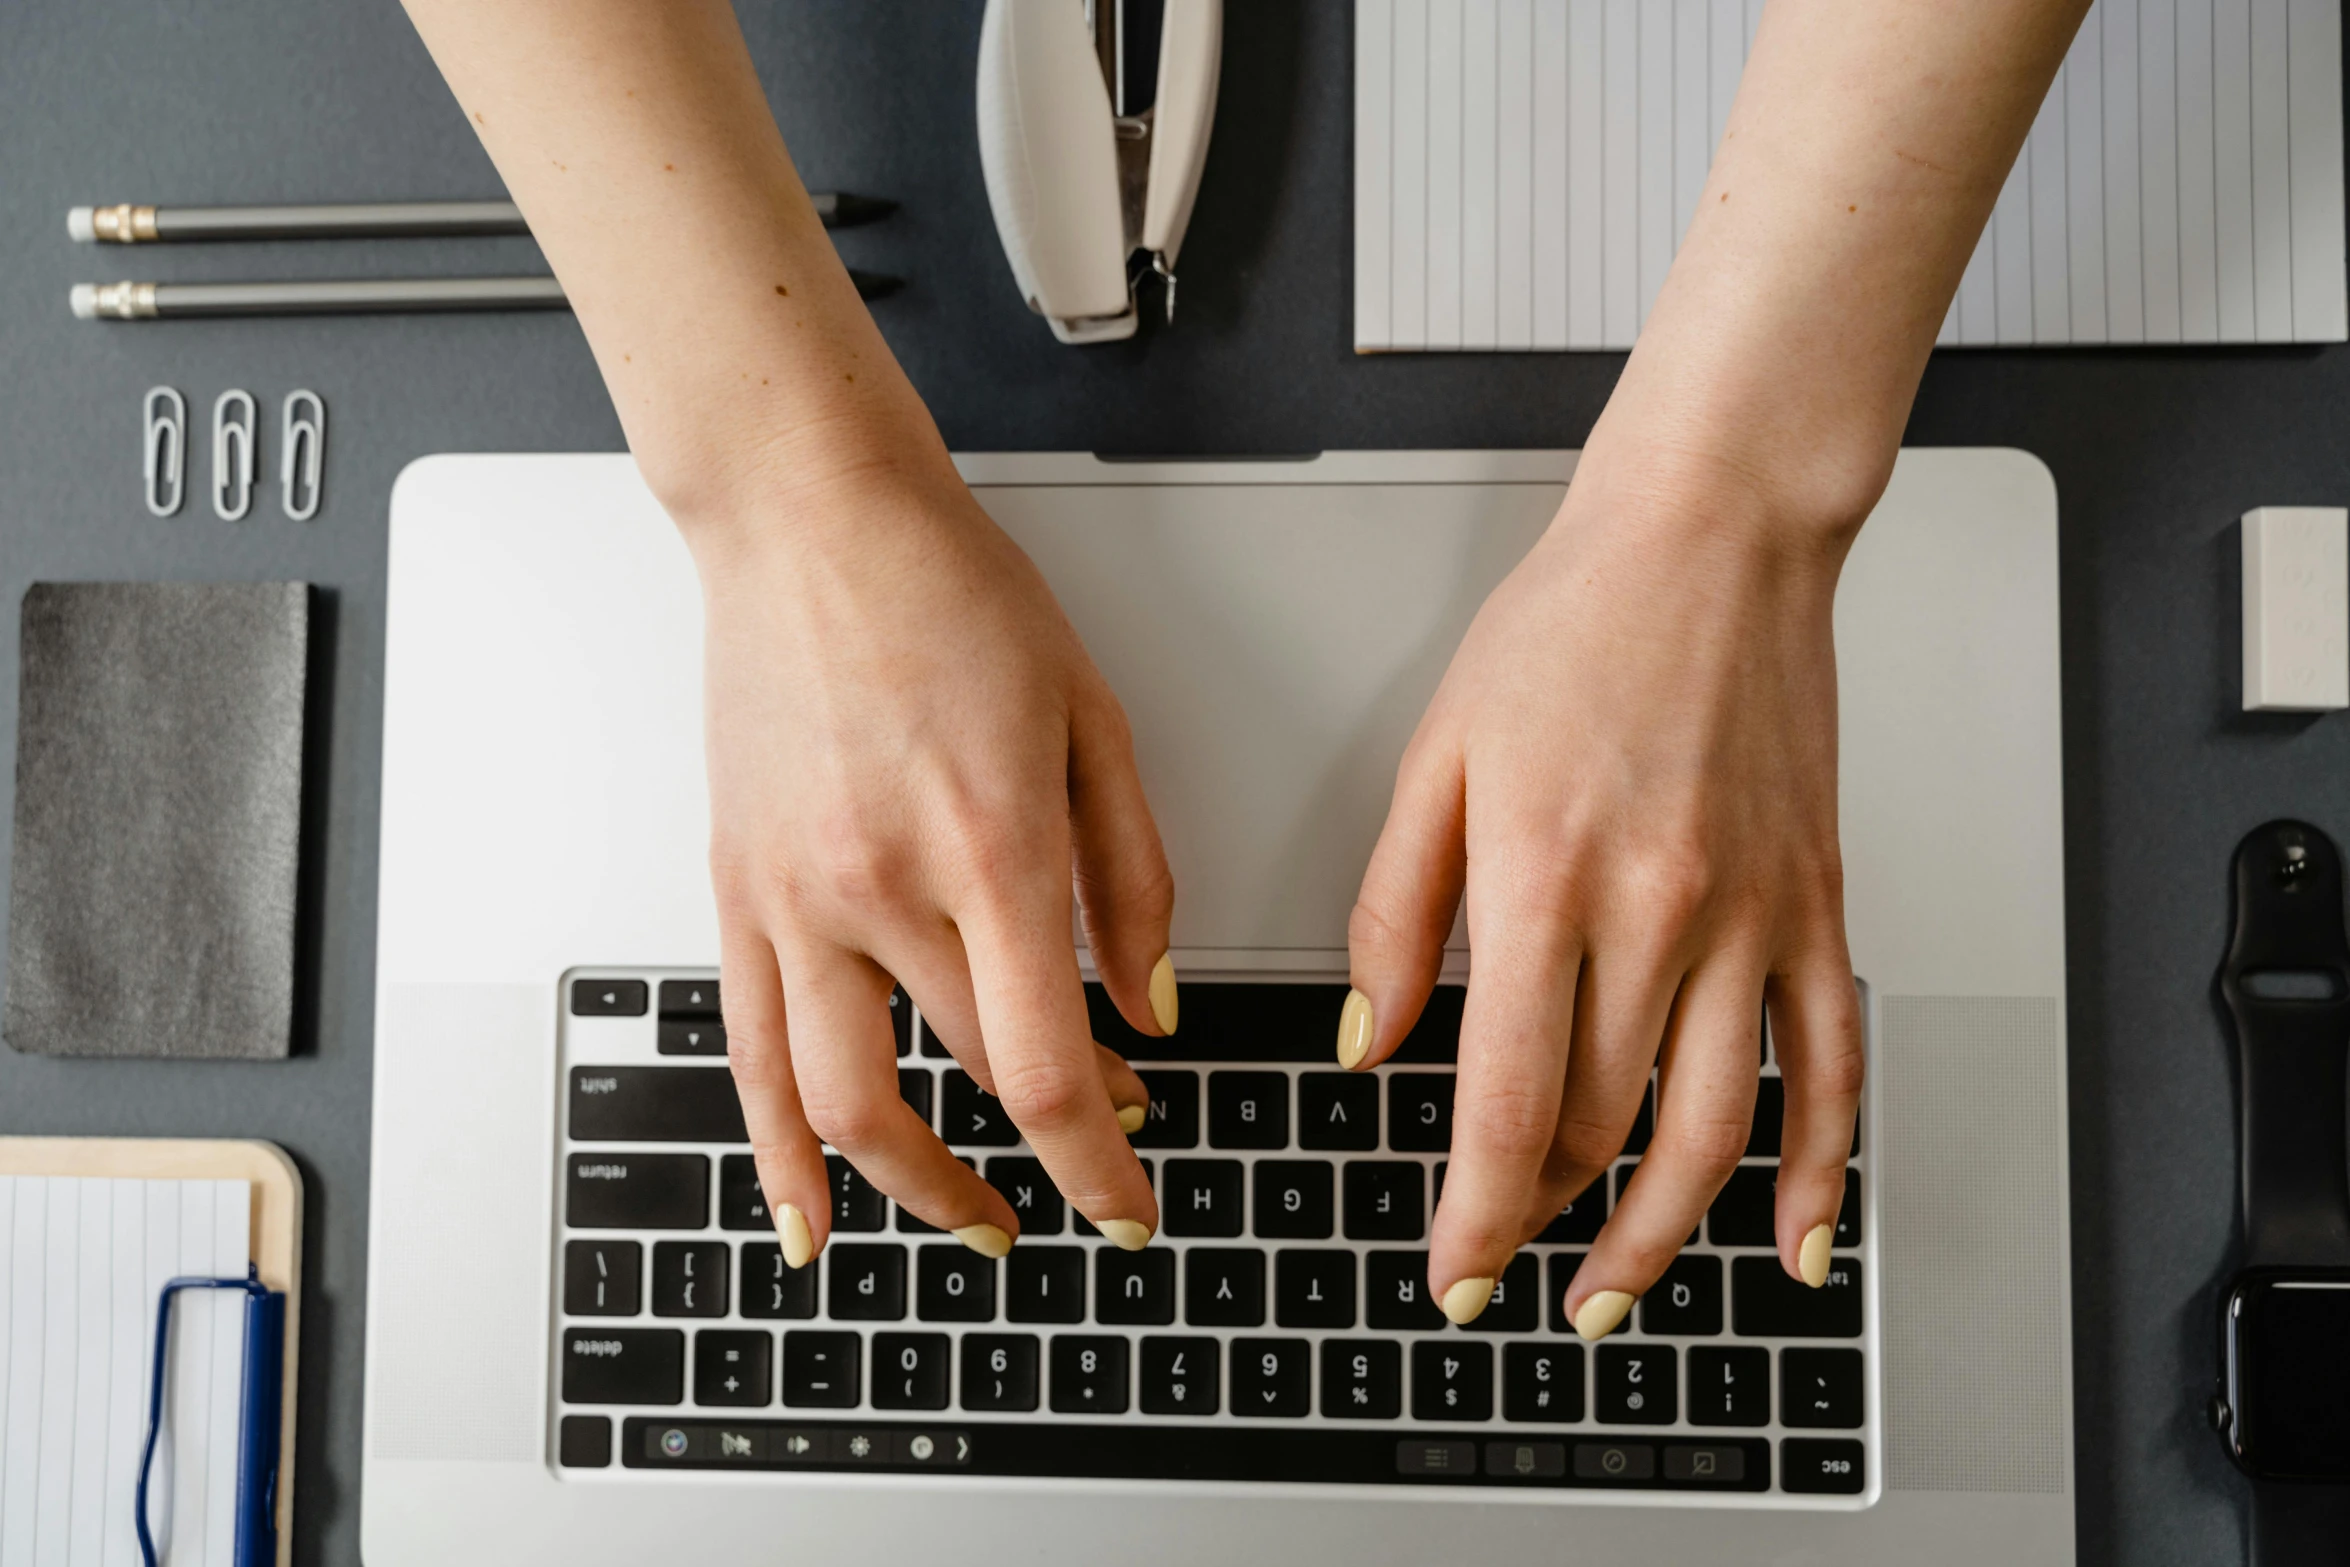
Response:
column 82, row 224
column 2296, row 609
column 84, row 300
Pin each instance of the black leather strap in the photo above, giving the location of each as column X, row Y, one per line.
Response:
column 2292, row 1052
column 2300, row 1525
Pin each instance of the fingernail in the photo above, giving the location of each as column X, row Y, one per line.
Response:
column 1131, row 1117
column 1465, row 1301
column 1354, row 1030
column 1601, row 1313
column 1812, row 1260
column 1125, row 1234
column 1163, row 994
column 984, row 1239
column 791, row 1229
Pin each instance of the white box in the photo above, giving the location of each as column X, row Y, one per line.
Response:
column 2296, row 609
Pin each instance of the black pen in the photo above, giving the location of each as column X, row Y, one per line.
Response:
column 165, row 301
column 125, row 224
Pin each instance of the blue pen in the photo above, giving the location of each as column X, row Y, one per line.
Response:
column 257, row 1420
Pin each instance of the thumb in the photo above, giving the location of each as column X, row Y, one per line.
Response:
column 1412, row 889
column 1125, row 896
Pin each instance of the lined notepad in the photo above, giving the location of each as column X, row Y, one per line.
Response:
column 81, row 1264
column 1524, row 170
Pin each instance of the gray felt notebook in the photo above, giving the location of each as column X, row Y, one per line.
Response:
column 158, row 819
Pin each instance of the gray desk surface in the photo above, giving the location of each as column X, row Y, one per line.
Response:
column 2155, row 454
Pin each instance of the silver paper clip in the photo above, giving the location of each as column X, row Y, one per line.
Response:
column 301, row 453
column 232, row 456
column 163, row 449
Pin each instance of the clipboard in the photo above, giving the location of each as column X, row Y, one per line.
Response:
column 276, row 1233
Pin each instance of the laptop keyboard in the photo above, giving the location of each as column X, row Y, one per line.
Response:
column 1278, row 1328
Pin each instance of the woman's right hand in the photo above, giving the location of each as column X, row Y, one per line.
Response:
column 912, row 761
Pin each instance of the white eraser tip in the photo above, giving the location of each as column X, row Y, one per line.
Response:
column 2296, row 609
column 82, row 224
column 84, row 300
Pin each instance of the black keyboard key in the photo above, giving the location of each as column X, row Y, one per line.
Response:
column 1385, row 1202
column 1248, row 1109
column 1578, row 1222
column 1272, row 1377
column 1362, row 1379
column 1818, row 1466
column 1848, row 1216
column 1643, row 1124
column 1034, row 1199
column 1201, row 1197
column 1180, row 1376
column 953, row 1284
column 910, row 1370
column 585, row 1442
column 602, row 1278
column 931, row 1047
column 734, row 1369
column 1745, row 1212
column 1223, row 1288
column 1729, row 1387
column 1562, row 1273
column 1338, row 1110
column 1637, row 1384
column 1134, row 1288
column 691, row 1036
column 689, row 998
column 906, row 1223
column 999, row 1373
column 1766, row 1303
column 772, row 1290
column 689, row 1278
column 858, row 1208
column 901, row 1021
column 1419, row 1112
column 741, row 1204
column 820, row 1369
column 1452, row 1379
column 914, row 1087
column 867, row 1283
column 973, row 1119
column 1516, row 1303
column 1314, row 1289
column 1395, row 1292
column 1820, row 1388
column 655, row 1104
column 1089, row 1375
column 1687, row 1300
column 1294, row 1201
column 608, row 998
column 1770, row 1109
column 1172, row 1121
column 1542, row 1382
column 623, row 1366
column 1047, row 1284
column 619, row 1190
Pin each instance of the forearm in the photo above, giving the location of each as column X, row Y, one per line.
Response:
column 635, row 138
column 1867, row 145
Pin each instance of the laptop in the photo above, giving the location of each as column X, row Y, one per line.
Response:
column 582, row 1345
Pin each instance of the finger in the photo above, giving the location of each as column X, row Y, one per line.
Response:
column 1128, row 1097
column 1816, row 1031
column 1125, row 896
column 1704, row 1110
column 784, row 1149
column 1622, row 1001
column 847, row 1064
column 1048, row 1070
column 1411, row 890
column 1515, row 1028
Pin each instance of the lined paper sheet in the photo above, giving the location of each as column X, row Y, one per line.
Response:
column 1525, row 169
column 81, row 1264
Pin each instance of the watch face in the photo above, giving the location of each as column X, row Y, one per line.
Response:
column 2288, row 1340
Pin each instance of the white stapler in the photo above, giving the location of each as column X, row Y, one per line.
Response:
column 1086, row 195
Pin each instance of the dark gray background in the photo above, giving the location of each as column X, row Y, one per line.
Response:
column 2155, row 454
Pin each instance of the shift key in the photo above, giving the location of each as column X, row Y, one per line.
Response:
column 618, row 1189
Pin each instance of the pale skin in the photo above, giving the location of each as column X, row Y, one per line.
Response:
column 1628, row 774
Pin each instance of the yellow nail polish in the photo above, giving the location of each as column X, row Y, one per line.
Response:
column 1163, row 998
column 1601, row 1313
column 984, row 1239
column 1354, row 1030
column 1130, row 1118
column 791, row 1231
column 1465, row 1301
column 1812, row 1260
column 1125, row 1234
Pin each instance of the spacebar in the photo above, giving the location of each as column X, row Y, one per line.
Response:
column 1138, row 1452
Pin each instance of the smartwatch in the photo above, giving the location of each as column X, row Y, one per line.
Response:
column 2282, row 1408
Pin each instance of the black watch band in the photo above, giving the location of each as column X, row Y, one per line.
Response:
column 2292, row 1046
column 2300, row 1525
